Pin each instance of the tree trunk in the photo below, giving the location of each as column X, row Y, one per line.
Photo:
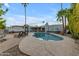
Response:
column 63, row 25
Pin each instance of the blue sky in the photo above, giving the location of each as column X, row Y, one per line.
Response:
column 36, row 13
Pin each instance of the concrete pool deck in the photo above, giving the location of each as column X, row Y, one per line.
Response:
column 35, row 47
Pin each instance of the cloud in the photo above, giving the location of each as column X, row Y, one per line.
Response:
column 10, row 21
column 20, row 20
column 7, row 5
column 29, row 19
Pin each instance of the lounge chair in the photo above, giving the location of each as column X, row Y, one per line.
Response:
column 20, row 34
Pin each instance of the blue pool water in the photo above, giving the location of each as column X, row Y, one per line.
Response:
column 46, row 36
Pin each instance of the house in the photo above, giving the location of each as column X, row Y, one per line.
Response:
column 15, row 28
column 37, row 27
column 49, row 27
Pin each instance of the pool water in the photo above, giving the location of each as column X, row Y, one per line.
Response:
column 47, row 36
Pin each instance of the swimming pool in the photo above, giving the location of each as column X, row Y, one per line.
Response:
column 47, row 36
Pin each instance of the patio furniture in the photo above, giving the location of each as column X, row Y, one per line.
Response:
column 20, row 34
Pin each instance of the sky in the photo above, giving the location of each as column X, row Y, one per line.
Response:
column 35, row 13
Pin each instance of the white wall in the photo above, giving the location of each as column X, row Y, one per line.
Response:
column 15, row 29
column 18, row 29
column 55, row 27
column 51, row 28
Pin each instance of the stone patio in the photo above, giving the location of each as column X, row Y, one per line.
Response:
column 35, row 47
column 31, row 45
column 10, row 43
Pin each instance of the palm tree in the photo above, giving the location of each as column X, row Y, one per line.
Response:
column 25, row 5
column 73, row 20
column 60, row 15
column 65, row 13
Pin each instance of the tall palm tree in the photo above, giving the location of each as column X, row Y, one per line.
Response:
column 25, row 5
column 66, row 17
column 60, row 15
